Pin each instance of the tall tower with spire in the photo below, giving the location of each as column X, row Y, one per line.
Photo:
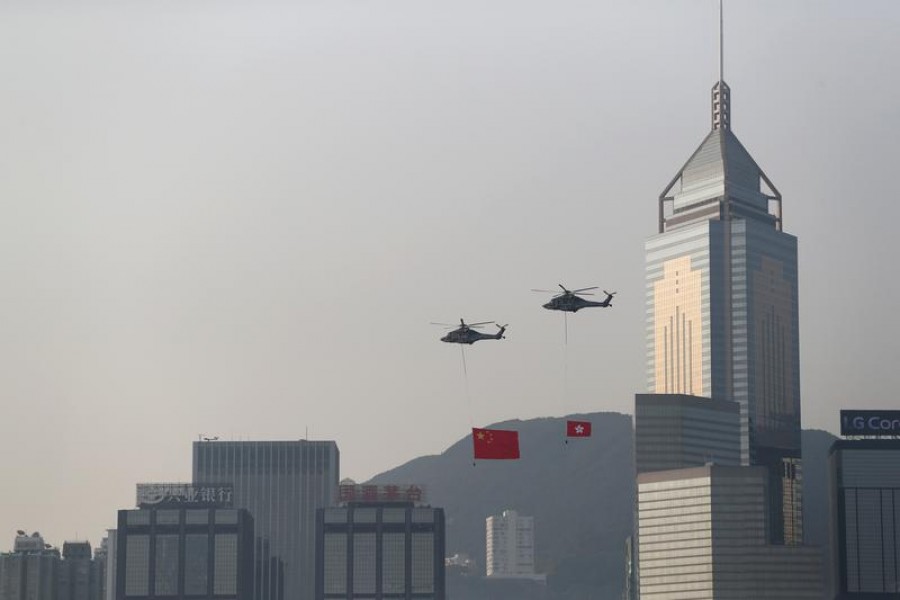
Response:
column 722, row 317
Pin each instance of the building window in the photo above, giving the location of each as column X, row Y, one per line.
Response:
column 226, row 517
column 167, row 517
column 335, row 563
column 393, row 563
column 138, row 517
column 137, row 565
column 196, row 564
column 226, row 549
column 422, row 563
column 166, row 577
column 195, row 516
column 364, row 563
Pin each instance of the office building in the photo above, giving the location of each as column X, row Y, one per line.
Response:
column 865, row 517
column 703, row 536
column 509, row 545
column 30, row 571
column 184, row 546
column 76, row 572
column 722, row 316
column 380, row 549
column 281, row 484
column 677, row 431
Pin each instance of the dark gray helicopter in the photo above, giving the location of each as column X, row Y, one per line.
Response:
column 466, row 334
column 568, row 301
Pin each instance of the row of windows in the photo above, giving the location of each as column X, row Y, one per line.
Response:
column 393, row 563
column 192, row 516
column 196, row 565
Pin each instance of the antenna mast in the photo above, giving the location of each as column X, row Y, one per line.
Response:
column 721, row 95
column 721, row 44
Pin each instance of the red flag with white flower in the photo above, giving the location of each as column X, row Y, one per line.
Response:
column 578, row 429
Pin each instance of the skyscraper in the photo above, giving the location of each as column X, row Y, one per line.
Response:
column 281, row 484
column 722, row 318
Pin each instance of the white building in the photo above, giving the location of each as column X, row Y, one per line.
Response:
column 510, row 546
column 703, row 533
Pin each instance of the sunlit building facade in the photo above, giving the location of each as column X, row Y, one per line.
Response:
column 703, row 537
column 722, row 309
column 380, row 551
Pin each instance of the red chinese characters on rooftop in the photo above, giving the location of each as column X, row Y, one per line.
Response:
column 369, row 493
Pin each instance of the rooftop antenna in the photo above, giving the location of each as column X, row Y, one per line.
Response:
column 721, row 44
column 721, row 94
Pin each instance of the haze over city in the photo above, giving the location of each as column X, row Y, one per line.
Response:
column 238, row 219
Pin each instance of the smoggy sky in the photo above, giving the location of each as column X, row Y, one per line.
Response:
column 238, row 218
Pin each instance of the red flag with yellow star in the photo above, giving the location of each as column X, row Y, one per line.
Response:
column 495, row 443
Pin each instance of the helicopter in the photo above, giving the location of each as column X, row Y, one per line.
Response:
column 466, row 334
column 568, row 301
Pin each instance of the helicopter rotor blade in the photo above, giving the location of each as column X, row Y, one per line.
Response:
column 545, row 291
column 443, row 324
column 479, row 324
column 609, row 293
column 565, row 291
column 596, row 287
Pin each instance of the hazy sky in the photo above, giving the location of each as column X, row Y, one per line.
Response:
column 239, row 218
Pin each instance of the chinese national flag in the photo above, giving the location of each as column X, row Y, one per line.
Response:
column 578, row 429
column 495, row 443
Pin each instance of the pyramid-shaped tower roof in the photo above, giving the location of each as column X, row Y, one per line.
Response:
column 720, row 180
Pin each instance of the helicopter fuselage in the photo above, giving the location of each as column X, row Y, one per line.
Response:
column 467, row 335
column 573, row 303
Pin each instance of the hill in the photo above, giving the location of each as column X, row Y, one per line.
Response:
column 581, row 495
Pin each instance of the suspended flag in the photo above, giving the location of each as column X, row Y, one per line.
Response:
column 495, row 443
column 578, row 429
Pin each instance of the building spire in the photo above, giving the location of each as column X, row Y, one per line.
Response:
column 721, row 94
column 721, row 44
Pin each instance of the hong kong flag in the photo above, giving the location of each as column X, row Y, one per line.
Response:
column 578, row 429
column 495, row 443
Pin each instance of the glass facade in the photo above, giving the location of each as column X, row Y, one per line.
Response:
column 703, row 535
column 137, row 560
column 281, row 484
column 390, row 551
column 166, row 567
column 364, row 563
column 196, row 564
column 722, row 311
column 865, row 496
column 226, row 564
column 335, row 563
column 675, row 431
column 177, row 553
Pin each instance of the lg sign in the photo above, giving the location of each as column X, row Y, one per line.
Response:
column 870, row 422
